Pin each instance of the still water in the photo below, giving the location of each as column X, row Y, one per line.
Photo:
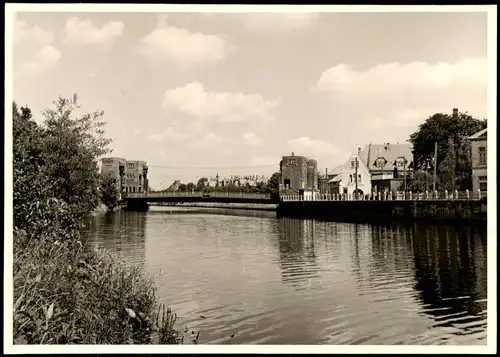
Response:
column 288, row 281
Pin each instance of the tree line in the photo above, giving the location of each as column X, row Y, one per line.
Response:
column 270, row 187
column 454, row 158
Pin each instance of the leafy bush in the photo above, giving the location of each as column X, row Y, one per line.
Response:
column 109, row 191
column 65, row 291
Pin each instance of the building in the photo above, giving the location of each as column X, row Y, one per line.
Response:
column 114, row 166
column 131, row 176
column 298, row 174
column 390, row 165
column 346, row 177
column 135, row 176
column 479, row 150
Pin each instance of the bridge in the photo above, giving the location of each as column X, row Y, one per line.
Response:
column 142, row 199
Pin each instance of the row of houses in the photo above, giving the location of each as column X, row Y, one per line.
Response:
column 237, row 180
column 374, row 168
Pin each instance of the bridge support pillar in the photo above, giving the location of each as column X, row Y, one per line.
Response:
column 137, row 205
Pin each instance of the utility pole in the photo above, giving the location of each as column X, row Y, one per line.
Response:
column 356, row 175
column 435, row 166
column 327, row 184
column 404, row 173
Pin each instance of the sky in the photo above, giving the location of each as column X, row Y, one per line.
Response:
column 194, row 94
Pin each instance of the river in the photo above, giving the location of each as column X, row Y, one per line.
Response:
column 284, row 281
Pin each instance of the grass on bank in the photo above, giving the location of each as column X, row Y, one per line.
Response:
column 65, row 293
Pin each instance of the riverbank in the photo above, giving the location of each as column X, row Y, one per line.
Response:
column 243, row 206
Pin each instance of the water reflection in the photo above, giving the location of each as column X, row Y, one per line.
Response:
column 290, row 281
column 450, row 267
column 297, row 251
column 121, row 232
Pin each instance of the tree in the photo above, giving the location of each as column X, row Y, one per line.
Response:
column 182, row 187
column 422, row 181
column 441, row 128
column 447, row 166
column 273, row 184
column 31, row 188
column 109, row 191
column 191, row 187
column 72, row 147
column 201, row 183
column 56, row 179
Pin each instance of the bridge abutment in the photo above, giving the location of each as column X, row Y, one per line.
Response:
column 137, row 205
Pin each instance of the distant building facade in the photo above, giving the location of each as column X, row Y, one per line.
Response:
column 388, row 165
column 236, row 180
column 131, row 176
column 479, row 150
column 298, row 173
column 346, row 177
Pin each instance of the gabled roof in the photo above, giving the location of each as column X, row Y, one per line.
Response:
column 347, row 165
column 479, row 135
column 389, row 152
column 336, row 170
column 337, row 178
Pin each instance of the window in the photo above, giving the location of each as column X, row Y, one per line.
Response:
column 352, row 164
column 291, row 162
column 350, row 178
column 482, row 155
column 359, row 178
column 134, row 189
column 380, row 162
column 130, row 165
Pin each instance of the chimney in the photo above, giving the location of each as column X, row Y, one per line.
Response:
column 293, row 153
column 455, row 112
column 359, row 150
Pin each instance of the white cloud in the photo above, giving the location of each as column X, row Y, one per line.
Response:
column 179, row 46
column 31, row 35
column 405, row 95
column 324, row 152
column 265, row 160
column 209, row 140
column 33, row 51
column 266, row 22
column 307, row 146
column 169, row 133
column 44, row 59
column 251, row 139
column 84, row 31
column 194, row 101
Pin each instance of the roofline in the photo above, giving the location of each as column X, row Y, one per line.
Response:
column 477, row 136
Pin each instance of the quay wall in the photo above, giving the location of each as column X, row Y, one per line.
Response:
column 376, row 211
column 246, row 206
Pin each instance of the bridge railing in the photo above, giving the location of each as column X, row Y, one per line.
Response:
column 389, row 196
column 199, row 194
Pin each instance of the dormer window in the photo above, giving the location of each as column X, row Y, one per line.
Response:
column 380, row 162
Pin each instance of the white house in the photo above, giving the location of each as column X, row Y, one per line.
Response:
column 346, row 178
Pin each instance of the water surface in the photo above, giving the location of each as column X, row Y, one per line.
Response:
column 288, row 281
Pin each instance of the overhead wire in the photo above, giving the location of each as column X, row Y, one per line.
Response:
column 212, row 167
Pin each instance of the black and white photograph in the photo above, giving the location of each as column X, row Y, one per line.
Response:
column 250, row 178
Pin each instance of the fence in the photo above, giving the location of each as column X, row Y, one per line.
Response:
column 199, row 194
column 389, row 196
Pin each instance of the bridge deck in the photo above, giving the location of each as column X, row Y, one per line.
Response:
column 214, row 197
